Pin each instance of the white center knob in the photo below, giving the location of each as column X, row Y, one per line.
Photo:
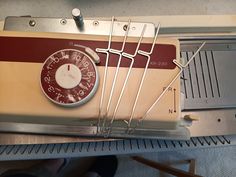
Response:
column 68, row 76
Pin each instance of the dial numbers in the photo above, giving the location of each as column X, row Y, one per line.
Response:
column 69, row 77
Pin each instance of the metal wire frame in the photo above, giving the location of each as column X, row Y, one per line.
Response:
column 119, row 53
column 181, row 67
column 107, row 129
column 145, row 54
column 106, row 51
column 131, row 58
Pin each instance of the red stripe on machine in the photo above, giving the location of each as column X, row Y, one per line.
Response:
column 37, row 50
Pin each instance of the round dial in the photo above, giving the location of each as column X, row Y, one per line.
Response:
column 69, row 77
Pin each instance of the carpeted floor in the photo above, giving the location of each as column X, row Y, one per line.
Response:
column 210, row 162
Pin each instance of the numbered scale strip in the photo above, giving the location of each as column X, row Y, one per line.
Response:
column 65, row 150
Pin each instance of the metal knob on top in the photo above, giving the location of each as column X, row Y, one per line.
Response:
column 77, row 16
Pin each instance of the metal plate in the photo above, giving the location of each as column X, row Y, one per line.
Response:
column 213, row 122
column 91, row 27
column 209, row 81
column 91, row 131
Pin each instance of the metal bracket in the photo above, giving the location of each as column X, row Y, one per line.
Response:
column 62, row 25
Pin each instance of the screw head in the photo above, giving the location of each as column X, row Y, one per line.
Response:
column 63, row 21
column 32, row 23
column 95, row 23
column 125, row 27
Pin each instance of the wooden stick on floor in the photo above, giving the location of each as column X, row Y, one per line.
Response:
column 165, row 168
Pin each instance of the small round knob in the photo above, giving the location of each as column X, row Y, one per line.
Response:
column 77, row 16
column 68, row 76
column 191, row 117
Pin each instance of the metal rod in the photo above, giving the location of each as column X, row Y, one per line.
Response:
column 181, row 67
column 146, row 54
column 130, row 57
column 106, row 51
column 118, row 52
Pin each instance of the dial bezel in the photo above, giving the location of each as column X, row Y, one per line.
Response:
column 84, row 100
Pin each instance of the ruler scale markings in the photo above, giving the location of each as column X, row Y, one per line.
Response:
column 203, row 77
column 212, row 74
column 214, row 68
column 196, row 74
column 209, row 74
column 190, row 76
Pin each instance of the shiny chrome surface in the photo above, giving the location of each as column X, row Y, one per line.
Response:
column 21, row 138
column 91, row 131
column 213, row 122
column 62, row 25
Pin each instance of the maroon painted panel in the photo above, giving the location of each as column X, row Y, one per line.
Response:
column 28, row 49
